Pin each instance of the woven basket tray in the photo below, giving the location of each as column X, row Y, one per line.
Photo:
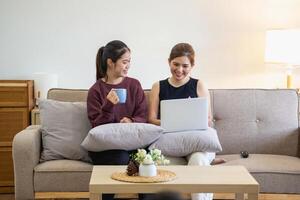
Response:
column 162, row 176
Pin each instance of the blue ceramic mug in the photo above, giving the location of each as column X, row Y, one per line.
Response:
column 121, row 93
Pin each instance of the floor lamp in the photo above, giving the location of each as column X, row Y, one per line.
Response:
column 283, row 49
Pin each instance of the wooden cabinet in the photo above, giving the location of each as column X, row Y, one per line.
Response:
column 16, row 102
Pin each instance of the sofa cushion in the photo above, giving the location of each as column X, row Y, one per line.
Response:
column 64, row 125
column 275, row 173
column 62, row 175
column 183, row 143
column 126, row 136
column 63, row 166
column 262, row 121
column 278, row 183
column 265, row 163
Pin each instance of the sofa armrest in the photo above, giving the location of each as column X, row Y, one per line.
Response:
column 26, row 155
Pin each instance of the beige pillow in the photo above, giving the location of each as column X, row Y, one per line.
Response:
column 125, row 136
column 183, row 143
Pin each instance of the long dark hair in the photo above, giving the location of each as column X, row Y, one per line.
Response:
column 183, row 49
column 113, row 50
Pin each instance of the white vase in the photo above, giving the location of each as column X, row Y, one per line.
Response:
column 147, row 170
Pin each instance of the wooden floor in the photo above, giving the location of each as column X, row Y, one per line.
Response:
column 12, row 197
column 219, row 197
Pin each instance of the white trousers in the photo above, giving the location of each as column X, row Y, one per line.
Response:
column 201, row 159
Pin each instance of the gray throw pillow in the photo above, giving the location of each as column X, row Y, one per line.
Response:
column 183, row 143
column 64, row 126
column 125, row 136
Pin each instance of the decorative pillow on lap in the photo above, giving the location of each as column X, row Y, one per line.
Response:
column 125, row 136
column 64, row 126
column 183, row 143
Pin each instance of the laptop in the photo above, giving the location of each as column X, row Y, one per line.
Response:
column 184, row 114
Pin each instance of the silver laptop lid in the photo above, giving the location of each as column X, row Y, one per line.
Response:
column 184, row 114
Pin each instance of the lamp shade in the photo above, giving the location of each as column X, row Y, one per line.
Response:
column 283, row 47
column 42, row 83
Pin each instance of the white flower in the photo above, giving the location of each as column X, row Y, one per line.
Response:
column 153, row 157
column 148, row 160
column 140, row 155
column 142, row 152
column 156, row 152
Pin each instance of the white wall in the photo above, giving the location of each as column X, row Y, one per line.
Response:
column 63, row 36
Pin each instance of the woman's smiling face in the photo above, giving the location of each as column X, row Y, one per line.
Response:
column 122, row 65
column 180, row 67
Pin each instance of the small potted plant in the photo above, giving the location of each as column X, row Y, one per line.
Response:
column 148, row 161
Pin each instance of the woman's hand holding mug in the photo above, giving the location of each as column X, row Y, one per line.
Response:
column 113, row 97
column 117, row 95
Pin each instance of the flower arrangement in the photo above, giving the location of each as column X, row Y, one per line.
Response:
column 153, row 157
column 143, row 163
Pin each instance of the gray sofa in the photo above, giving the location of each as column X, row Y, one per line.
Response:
column 263, row 122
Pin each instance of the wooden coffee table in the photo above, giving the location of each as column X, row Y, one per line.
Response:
column 190, row 179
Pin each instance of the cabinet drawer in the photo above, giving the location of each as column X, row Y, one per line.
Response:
column 6, row 167
column 12, row 120
column 13, row 95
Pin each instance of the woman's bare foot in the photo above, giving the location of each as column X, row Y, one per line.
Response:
column 217, row 161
